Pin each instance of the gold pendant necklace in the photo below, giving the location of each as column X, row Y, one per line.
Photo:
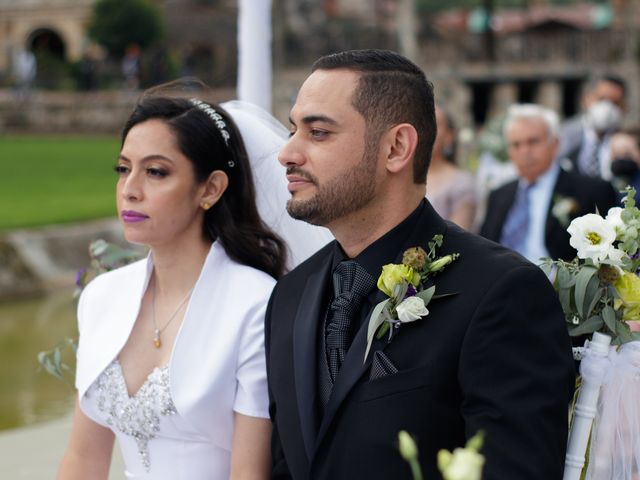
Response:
column 158, row 331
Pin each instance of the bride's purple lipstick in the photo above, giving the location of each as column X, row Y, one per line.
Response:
column 131, row 216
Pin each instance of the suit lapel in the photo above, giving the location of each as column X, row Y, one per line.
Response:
column 429, row 224
column 350, row 372
column 305, row 350
column 554, row 233
column 501, row 209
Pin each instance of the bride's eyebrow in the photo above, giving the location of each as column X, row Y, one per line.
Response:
column 147, row 158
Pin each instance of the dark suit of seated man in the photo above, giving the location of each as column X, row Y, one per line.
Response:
column 495, row 356
column 531, row 214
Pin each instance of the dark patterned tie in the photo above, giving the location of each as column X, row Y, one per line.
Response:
column 516, row 226
column 591, row 162
column 351, row 285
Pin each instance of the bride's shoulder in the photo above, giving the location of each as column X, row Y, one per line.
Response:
column 118, row 279
column 249, row 278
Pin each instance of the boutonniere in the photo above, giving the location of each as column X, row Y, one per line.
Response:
column 564, row 209
column 404, row 285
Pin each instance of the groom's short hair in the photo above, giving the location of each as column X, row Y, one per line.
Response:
column 391, row 90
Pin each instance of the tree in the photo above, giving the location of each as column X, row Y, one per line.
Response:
column 115, row 24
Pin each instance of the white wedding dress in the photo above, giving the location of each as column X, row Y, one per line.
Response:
column 179, row 424
column 145, row 424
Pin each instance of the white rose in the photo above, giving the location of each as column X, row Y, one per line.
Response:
column 464, row 464
column 593, row 236
column 410, row 309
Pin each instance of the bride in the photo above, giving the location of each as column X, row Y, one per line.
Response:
column 171, row 354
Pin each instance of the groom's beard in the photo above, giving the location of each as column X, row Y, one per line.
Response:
column 342, row 195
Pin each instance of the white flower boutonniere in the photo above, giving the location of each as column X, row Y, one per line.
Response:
column 564, row 209
column 464, row 463
column 404, row 285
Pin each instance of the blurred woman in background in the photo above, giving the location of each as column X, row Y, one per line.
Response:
column 450, row 189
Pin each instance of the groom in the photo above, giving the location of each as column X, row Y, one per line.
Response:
column 493, row 356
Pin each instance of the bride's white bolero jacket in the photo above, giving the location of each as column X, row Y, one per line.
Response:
column 217, row 365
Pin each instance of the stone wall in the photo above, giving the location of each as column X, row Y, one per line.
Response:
column 35, row 260
column 102, row 112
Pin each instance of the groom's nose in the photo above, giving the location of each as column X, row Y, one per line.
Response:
column 291, row 153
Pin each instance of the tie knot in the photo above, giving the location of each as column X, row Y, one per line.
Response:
column 525, row 188
column 350, row 277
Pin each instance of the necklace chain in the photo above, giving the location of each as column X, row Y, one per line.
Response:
column 158, row 331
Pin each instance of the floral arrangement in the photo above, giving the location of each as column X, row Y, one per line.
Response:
column 463, row 464
column 404, row 284
column 104, row 257
column 600, row 289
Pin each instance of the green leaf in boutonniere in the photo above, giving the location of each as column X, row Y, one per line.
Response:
column 404, row 284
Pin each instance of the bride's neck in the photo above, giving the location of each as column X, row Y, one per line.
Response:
column 176, row 270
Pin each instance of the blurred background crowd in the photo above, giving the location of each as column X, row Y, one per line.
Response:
column 67, row 66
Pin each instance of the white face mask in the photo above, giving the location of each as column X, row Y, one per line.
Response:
column 604, row 117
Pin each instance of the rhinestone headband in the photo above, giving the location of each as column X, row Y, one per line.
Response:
column 215, row 118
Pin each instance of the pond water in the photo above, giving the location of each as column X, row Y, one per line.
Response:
column 28, row 394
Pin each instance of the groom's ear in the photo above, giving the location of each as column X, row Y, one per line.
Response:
column 399, row 144
column 214, row 187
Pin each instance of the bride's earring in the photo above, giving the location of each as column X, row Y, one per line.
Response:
column 205, row 206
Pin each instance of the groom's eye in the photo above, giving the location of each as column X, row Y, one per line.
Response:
column 318, row 134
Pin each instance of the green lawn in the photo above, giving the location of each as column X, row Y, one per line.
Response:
column 49, row 180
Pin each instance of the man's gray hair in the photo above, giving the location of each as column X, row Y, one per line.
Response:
column 532, row 111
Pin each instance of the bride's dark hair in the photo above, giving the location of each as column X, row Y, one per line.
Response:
column 234, row 220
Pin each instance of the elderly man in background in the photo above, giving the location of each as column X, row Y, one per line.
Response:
column 531, row 214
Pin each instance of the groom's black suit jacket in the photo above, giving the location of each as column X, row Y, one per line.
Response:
column 588, row 193
column 495, row 357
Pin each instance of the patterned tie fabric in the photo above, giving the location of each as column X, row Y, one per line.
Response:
column 351, row 285
column 516, row 226
column 591, row 162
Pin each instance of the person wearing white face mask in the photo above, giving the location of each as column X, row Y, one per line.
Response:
column 584, row 140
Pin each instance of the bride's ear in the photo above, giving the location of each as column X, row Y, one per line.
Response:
column 214, row 187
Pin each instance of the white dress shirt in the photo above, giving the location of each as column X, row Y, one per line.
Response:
column 540, row 196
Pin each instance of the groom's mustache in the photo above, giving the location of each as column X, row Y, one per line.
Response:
column 301, row 173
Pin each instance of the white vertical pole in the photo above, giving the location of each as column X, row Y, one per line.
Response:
column 254, row 52
column 407, row 31
column 585, row 410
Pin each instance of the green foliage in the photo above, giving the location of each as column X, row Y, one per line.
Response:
column 588, row 300
column 104, row 257
column 115, row 24
column 630, row 241
column 54, row 73
column 50, row 180
column 51, row 360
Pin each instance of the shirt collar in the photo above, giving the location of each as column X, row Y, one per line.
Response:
column 385, row 249
column 549, row 176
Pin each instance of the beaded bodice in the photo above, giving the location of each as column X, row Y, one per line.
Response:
column 139, row 415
